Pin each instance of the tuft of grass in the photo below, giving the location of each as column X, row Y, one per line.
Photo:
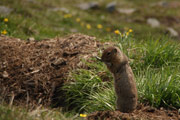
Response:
column 83, row 86
column 159, row 88
column 160, row 53
column 103, row 99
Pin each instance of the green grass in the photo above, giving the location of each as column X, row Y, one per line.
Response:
column 19, row 113
column 8, row 113
column 37, row 19
column 161, row 52
column 84, row 84
column 160, row 88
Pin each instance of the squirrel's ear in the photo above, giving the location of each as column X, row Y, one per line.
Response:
column 115, row 50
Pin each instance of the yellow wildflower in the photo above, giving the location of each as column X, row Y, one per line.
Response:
column 99, row 26
column 130, row 30
column 67, row 16
column 127, row 33
column 5, row 20
column 78, row 19
column 4, row 32
column 117, row 32
column 88, row 26
column 82, row 23
column 83, row 115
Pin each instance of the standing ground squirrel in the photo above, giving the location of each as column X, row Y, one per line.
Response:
column 125, row 86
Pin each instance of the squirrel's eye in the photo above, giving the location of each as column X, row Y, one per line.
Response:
column 108, row 53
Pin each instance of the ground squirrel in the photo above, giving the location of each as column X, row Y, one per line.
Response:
column 125, row 86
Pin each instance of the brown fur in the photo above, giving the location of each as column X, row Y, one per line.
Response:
column 125, row 86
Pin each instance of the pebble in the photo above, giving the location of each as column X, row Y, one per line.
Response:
column 31, row 39
column 111, row 6
column 87, row 6
column 32, row 1
column 172, row 32
column 5, row 10
column 126, row 10
column 74, row 30
column 153, row 22
column 65, row 10
column 161, row 3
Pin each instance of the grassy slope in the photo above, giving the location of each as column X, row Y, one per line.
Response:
column 155, row 64
column 40, row 21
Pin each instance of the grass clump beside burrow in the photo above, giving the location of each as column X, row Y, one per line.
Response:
column 155, row 64
column 81, row 91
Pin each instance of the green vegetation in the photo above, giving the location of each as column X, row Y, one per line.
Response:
column 154, row 56
column 19, row 113
column 44, row 19
column 82, row 93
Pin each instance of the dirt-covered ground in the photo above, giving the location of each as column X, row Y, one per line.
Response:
column 32, row 71
column 141, row 113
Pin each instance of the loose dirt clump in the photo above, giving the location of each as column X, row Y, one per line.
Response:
column 31, row 71
column 142, row 113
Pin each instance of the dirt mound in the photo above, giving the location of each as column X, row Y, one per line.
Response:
column 31, row 71
column 142, row 113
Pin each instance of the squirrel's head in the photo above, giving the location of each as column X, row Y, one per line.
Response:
column 109, row 55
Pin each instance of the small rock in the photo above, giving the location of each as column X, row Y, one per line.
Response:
column 74, row 30
column 153, row 22
column 5, row 10
column 111, row 6
column 126, row 10
column 5, row 74
column 90, row 5
column 32, row 1
column 31, row 39
column 172, row 32
column 93, row 5
column 161, row 3
column 65, row 10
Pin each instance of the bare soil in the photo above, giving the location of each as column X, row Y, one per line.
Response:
column 31, row 71
column 141, row 113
